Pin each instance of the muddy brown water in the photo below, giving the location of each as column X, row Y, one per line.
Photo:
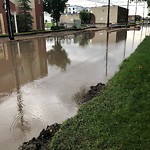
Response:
column 41, row 78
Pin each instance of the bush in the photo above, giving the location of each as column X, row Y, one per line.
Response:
column 57, row 27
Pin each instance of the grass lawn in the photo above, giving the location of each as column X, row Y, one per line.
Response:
column 118, row 119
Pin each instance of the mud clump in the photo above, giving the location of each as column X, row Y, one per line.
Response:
column 94, row 91
column 42, row 141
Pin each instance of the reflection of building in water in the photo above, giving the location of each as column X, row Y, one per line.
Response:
column 2, row 55
column 33, row 56
column 114, row 37
column 6, row 73
column 31, row 62
column 121, row 35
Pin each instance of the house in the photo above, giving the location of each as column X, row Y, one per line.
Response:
column 73, row 9
column 37, row 14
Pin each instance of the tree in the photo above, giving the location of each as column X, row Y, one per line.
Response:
column 84, row 16
column 55, row 8
column 24, row 17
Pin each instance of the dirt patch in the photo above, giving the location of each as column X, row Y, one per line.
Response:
column 42, row 141
column 87, row 96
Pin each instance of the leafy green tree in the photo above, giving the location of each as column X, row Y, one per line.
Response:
column 55, row 8
column 24, row 17
column 85, row 16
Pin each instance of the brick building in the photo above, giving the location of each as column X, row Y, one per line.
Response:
column 37, row 13
column 3, row 22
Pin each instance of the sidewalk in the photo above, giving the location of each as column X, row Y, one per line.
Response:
column 25, row 36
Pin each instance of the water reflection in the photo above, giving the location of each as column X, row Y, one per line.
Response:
column 141, row 34
column 133, row 40
column 30, row 63
column 125, row 42
column 26, row 105
column 114, row 37
column 57, row 55
column 19, row 121
column 84, row 38
column 107, row 44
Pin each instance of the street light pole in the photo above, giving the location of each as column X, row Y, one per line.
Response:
column 108, row 13
column 9, row 21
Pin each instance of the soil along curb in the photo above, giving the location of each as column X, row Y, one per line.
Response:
column 94, row 91
column 42, row 141
column 120, row 117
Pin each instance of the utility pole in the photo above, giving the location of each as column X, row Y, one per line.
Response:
column 108, row 13
column 9, row 21
column 127, row 12
column 143, row 13
column 135, row 13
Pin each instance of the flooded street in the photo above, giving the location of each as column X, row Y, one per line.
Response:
column 40, row 78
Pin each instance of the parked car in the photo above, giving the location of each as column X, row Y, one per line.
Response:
column 117, row 25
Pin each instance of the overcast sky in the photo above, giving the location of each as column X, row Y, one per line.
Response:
column 123, row 3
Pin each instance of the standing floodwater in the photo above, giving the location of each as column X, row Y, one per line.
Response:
column 40, row 78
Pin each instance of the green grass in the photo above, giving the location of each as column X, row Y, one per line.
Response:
column 118, row 119
column 48, row 24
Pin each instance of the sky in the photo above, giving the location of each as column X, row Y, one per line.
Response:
column 141, row 7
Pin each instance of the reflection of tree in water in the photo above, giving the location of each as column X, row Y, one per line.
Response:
column 58, row 56
column 84, row 38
